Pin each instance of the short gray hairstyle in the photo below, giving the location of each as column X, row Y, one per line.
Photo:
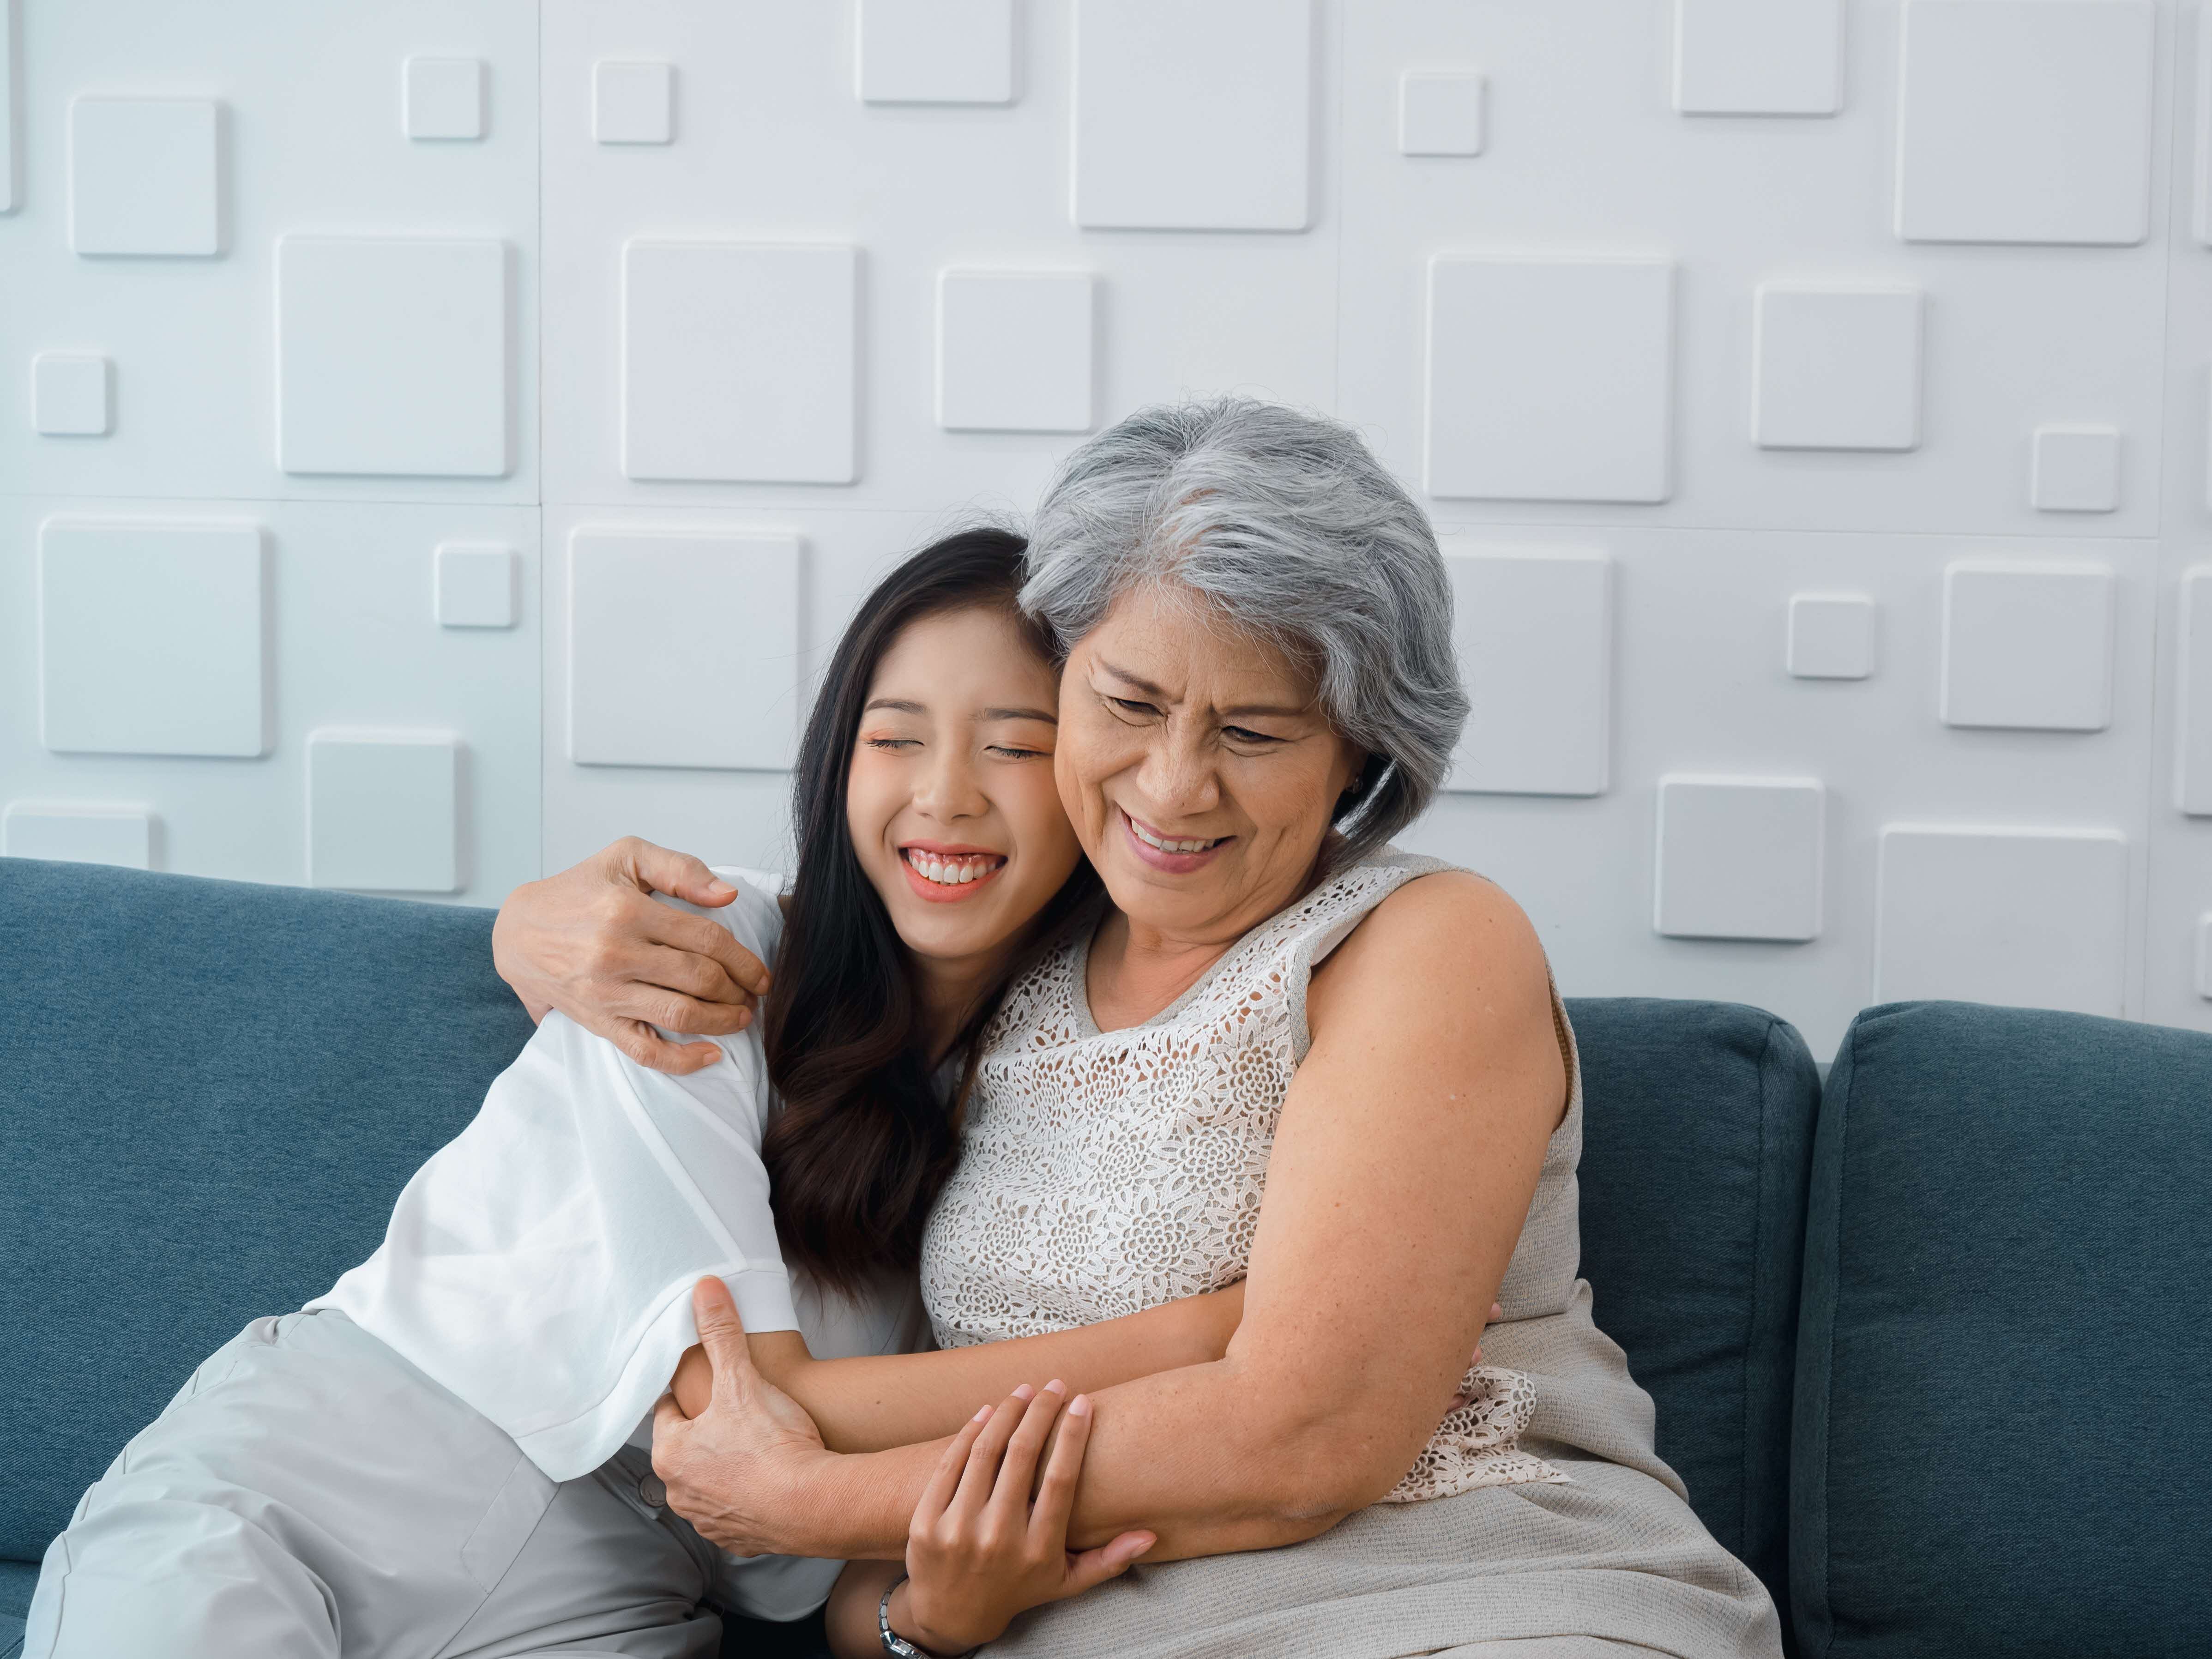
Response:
column 1285, row 522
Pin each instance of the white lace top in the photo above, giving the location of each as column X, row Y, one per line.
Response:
column 1102, row 1173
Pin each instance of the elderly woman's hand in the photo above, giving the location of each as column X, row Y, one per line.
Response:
column 593, row 943
column 738, row 1472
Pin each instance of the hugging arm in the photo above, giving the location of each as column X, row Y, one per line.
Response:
column 1407, row 1152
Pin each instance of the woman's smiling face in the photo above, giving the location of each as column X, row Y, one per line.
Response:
column 1198, row 766
column 950, row 801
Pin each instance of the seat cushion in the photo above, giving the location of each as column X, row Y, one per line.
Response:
column 1697, row 1141
column 214, row 1092
column 2005, row 1391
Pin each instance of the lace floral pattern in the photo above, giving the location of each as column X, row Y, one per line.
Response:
column 1102, row 1173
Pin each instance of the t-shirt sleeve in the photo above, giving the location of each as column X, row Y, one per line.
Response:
column 540, row 1265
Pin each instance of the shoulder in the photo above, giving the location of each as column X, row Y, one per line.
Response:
column 1450, row 939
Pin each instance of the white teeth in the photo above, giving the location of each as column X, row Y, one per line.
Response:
column 1169, row 846
column 951, row 873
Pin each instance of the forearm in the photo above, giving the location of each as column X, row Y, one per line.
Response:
column 880, row 1401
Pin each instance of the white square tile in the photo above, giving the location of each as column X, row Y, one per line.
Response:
column 1739, row 857
column 2027, row 644
column 392, row 357
column 1013, row 351
column 1836, row 368
column 144, row 176
column 150, row 637
column 69, row 394
column 1439, row 114
column 443, row 98
column 78, row 834
column 2193, row 704
column 936, row 52
column 1533, row 633
column 1830, row 636
column 633, row 103
column 739, row 361
column 8, row 79
column 1234, row 152
column 475, row 585
column 2021, row 917
column 2076, row 469
column 712, row 681
column 1759, row 57
column 383, row 811
column 1550, row 379
column 2204, row 956
column 2025, row 121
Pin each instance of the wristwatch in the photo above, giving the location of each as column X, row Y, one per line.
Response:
column 893, row 1642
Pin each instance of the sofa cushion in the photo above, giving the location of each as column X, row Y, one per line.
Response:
column 213, row 1093
column 2004, row 1393
column 1696, row 1140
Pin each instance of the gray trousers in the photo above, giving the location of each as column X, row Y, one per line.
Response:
column 309, row 1494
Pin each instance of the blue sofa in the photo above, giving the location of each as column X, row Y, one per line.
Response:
column 1929, row 1348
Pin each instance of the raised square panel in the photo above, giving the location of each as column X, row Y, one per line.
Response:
column 7, row 144
column 382, row 811
column 144, row 176
column 1759, row 57
column 474, row 584
column 69, row 394
column 1830, row 636
column 2025, row 121
column 1013, row 351
column 1550, row 379
column 2027, row 918
column 1192, row 114
column 1836, row 368
column 2076, row 468
column 2192, row 762
column 1739, row 857
column 1439, row 114
column 2027, row 645
column 443, row 98
column 633, row 103
column 150, row 638
column 2204, row 956
column 739, row 362
column 392, row 357
column 712, row 681
column 77, row 834
column 1533, row 633
column 936, row 52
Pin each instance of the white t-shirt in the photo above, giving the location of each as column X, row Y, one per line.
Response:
column 540, row 1265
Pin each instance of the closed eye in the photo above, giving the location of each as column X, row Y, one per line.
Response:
column 1130, row 706
column 1242, row 734
column 892, row 743
column 1011, row 752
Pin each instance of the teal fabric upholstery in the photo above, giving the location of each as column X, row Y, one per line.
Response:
column 2003, row 1406
column 213, row 1093
column 17, row 1578
column 1697, row 1147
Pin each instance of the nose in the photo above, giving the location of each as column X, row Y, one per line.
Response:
column 949, row 787
column 1178, row 777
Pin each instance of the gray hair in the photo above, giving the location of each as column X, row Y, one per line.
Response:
column 1294, row 533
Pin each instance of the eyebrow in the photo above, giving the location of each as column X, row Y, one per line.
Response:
column 903, row 706
column 1279, row 710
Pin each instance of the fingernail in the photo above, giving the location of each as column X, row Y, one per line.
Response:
column 1079, row 1407
column 718, row 888
column 744, row 1018
column 1024, row 1392
column 1056, row 1386
column 982, row 1413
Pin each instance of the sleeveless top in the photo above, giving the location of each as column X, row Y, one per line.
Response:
column 1104, row 1172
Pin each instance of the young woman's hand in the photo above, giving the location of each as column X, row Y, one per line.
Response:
column 981, row 1549
column 592, row 943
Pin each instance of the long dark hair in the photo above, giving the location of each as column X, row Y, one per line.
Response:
column 864, row 1143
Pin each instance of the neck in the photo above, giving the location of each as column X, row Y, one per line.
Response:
column 949, row 993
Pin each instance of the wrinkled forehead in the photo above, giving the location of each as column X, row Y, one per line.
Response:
column 1182, row 645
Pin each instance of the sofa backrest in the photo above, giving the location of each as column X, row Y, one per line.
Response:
column 1697, row 1144
column 210, row 1093
column 2004, row 1378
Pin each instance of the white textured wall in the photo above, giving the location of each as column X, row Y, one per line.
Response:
column 445, row 435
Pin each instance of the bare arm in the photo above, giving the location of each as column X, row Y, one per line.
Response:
column 1407, row 1153
column 592, row 942
column 880, row 1401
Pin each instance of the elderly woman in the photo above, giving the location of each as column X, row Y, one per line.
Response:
column 1285, row 1053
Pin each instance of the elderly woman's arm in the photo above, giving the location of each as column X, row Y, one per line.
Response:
column 1408, row 1149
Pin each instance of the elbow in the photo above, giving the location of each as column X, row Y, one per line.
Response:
column 1329, row 1464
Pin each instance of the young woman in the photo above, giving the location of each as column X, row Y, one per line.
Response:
column 449, row 1452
